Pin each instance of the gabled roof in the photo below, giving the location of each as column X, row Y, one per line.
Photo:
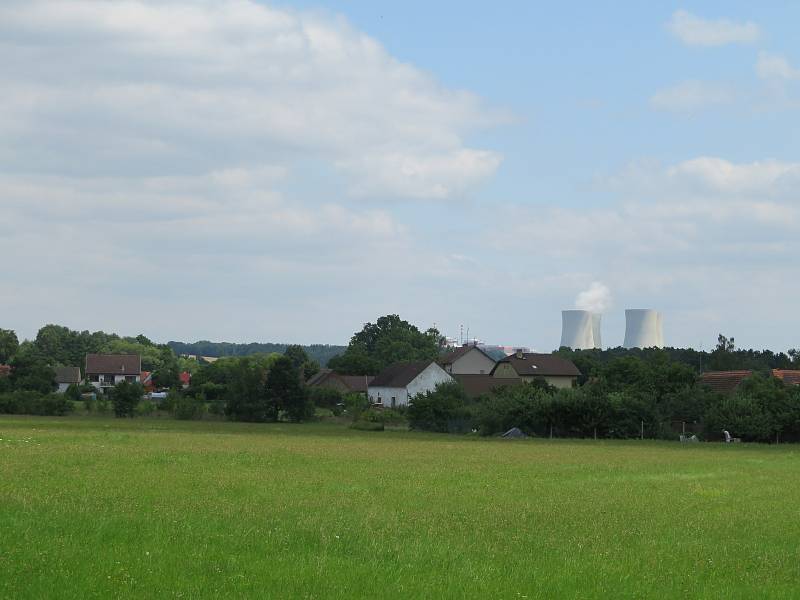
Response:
column 399, row 375
column 724, row 381
column 454, row 355
column 354, row 383
column 478, row 385
column 357, row 383
column 114, row 364
column 788, row 376
column 320, row 377
column 68, row 375
column 548, row 365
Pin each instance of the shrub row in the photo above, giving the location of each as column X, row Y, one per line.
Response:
column 35, row 403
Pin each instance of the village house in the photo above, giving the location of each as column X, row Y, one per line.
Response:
column 554, row 370
column 397, row 384
column 67, row 376
column 467, row 360
column 346, row 384
column 107, row 370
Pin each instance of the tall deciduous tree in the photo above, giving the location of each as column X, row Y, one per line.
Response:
column 390, row 339
column 285, row 390
column 8, row 345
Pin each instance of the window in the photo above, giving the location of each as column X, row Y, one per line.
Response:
column 394, row 402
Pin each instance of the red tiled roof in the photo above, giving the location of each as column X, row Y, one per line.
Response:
column 186, row 378
column 788, row 376
column 724, row 381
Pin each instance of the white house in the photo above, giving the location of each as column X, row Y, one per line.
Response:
column 397, row 384
column 107, row 370
column 67, row 376
column 467, row 360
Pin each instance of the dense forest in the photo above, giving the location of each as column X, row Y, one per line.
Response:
column 321, row 353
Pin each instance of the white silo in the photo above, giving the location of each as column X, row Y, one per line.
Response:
column 643, row 329
column 578, row 329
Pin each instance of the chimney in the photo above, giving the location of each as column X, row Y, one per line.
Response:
column 520, row 353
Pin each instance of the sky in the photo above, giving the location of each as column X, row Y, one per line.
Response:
column 242, row 170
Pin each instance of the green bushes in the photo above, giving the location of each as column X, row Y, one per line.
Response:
column 444, row 410
column 125, row 396
column 35, row 403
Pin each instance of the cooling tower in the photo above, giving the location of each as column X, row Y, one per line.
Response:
column 643, row 329
column 596, row 330
column 580, row 329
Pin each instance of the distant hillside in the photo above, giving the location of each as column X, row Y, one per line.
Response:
column 321, row 353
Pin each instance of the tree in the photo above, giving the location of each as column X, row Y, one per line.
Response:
column 302, row 361
column 246, row 396
column 285, row 390
column 8, row 345
column 126, row 396
column 388, row 340
column 30, row 371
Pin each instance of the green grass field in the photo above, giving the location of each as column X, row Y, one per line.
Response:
column 101, row 508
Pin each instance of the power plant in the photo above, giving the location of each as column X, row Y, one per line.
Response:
column 643, row 329
column 580, row 329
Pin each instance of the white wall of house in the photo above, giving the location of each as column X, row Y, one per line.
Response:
column 62, row 387
column 388, row 396
column 426, row 381
column 109, row 380
column 473, row 362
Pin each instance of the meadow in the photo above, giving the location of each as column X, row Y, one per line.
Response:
column 149, row 508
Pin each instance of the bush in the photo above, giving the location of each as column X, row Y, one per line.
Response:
column 34, row 403
column 444, row 410
column 355, row 404
column 187, row 408
column 125, row 396
column 73, row 392
column 145, row 407
column 325, row 397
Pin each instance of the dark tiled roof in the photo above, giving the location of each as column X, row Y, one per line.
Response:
column 400, row 374
column 478, row 385
column 116, row 364
column 454, row 355
column 724, row 381
column 320, row 377
column 541, row 364
column 788, row 376
column 68, row 374
column 355, row 383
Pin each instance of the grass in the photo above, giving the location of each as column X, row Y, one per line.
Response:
column 99, row 508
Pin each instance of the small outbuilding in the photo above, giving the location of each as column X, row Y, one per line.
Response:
column 67, row 376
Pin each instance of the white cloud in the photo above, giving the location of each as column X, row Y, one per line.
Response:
column 167, row 83
column 596, row 298
column 681, row 237
column 696, row 31
column 692, row 96
column 775, row 66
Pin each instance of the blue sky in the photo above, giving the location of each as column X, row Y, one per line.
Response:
column 250, row 171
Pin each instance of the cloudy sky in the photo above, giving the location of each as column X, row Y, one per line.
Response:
column 247, row 171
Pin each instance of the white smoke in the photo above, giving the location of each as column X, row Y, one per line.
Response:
column 596, row 298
